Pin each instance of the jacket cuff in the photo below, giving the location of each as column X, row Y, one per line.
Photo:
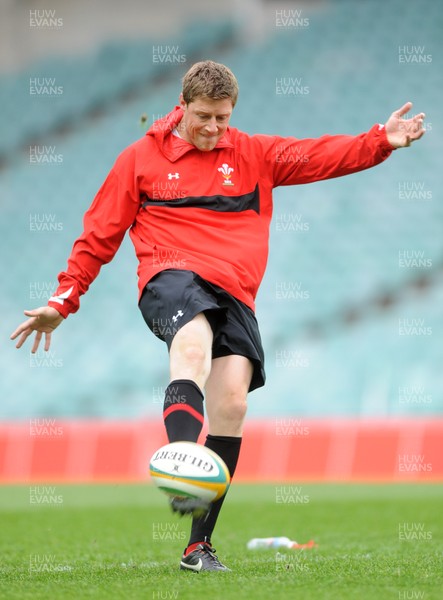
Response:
column 384, row 143
column 63, row 310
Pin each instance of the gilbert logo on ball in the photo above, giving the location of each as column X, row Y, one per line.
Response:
column 189, row 470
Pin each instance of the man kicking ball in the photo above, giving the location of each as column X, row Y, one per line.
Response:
column 202, row 253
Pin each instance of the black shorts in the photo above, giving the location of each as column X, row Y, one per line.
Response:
column 174, row 297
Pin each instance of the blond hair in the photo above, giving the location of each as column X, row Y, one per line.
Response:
column 209, row 79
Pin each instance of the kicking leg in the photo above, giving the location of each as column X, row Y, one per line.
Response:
column 190, row 364
column 183, row 414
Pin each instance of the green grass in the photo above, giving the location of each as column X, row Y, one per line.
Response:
column 121, row 542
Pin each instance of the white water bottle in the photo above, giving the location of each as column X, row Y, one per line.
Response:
column 271, row 542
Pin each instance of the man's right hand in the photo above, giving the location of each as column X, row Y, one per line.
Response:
column 42, row 320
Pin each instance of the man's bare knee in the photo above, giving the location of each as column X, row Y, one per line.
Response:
column 193, row 354
column 226, row 417
column 190, row 353
column 235, row 406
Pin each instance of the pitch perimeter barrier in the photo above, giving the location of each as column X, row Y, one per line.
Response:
column 275, row 449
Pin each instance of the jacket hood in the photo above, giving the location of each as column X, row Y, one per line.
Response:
column 161, row 131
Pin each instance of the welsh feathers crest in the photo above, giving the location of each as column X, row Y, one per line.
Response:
column 226, row 171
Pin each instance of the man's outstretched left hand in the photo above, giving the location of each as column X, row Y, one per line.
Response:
column 402, row 132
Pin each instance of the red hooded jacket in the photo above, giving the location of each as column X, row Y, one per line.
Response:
column 207, row 212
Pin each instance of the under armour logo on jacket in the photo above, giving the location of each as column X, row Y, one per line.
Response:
column 173, row 176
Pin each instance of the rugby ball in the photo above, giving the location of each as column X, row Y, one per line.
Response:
column 189, row 470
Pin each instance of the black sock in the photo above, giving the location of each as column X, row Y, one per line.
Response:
column 228, row 448
column 183, row 411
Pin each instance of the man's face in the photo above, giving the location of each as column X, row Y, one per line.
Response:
column 204, row 121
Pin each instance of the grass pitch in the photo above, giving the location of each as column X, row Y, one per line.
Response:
column 121, row 542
